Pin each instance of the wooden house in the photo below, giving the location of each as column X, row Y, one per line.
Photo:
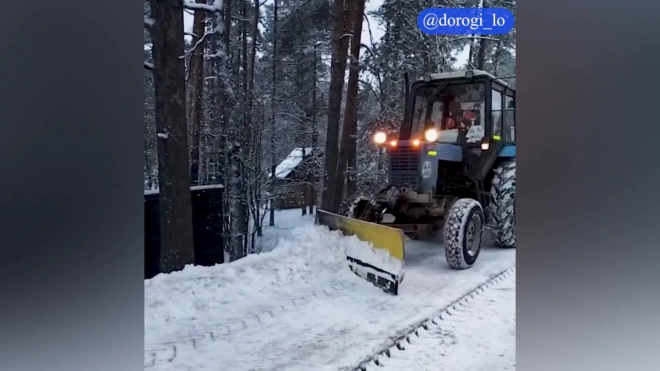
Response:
column 293, row 177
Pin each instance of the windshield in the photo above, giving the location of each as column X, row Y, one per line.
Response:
column 457, row 111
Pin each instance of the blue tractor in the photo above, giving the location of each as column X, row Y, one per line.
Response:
column 452, row 165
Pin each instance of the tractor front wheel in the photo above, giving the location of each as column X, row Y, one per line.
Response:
column 463, row 233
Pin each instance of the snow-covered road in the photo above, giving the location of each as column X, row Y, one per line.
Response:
column 477, row 333
column 299, row 307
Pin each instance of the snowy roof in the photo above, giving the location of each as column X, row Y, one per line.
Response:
column 456, row 74
column 291, row 162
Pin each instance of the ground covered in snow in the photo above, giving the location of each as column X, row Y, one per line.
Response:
column 476, row 334
column 297, row 307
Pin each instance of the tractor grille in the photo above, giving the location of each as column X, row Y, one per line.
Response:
column 404, row 166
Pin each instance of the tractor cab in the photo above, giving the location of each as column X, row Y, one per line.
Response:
column 463, row 117
column 465, row 108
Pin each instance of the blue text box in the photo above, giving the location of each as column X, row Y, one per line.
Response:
column 465, row 21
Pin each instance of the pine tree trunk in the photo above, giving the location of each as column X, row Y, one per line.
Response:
column 339, row 49
column 176, row 229
column 208, row 155
column 349, row 131
column 300, row 138
column 351, row 178
column 237, row 189
column 197, row 93
column 222, row 82
column 313, row 173
column 256, row 144
column 223, row 86
column 273, row 105
column 481, row 55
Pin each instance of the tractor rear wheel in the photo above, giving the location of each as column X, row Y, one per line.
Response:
column 503, row 210
column 463, row 233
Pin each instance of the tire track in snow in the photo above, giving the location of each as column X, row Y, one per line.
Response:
column 167, row 352
column 432, row 342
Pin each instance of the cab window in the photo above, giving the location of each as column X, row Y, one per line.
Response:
column 496, row 113
column 510, row 119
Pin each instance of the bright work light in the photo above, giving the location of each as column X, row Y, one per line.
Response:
column 380, row 137
column 431, row 135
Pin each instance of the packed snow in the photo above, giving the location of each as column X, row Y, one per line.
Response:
column 297, row 307
column 479, row 334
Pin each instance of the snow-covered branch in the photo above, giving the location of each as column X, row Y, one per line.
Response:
column 198, row 43
column 215, row 7
column 473, row 37
column 148, row 66
column 148, row 22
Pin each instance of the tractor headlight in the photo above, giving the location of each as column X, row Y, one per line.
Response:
column 431, row 135
column 380, row 137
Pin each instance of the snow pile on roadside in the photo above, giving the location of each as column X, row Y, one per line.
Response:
column 309, row 255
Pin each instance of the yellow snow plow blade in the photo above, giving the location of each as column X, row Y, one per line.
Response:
column 382, row 265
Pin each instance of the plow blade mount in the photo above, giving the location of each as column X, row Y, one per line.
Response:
column 381, row 264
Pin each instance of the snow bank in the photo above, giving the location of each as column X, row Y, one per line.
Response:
column 297, row 308
column 295, row 258
column 308, row 256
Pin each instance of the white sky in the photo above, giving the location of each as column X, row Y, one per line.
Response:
column 377, row 30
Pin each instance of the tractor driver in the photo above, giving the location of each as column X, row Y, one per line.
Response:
column 454, row 115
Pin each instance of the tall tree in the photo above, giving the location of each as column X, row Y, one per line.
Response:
column 273, row 93
column 237, row 141
column 312, row 172
column 197, row 91
column 483, row 43
column 340, row 39
column 176, row 227
column 349, row 130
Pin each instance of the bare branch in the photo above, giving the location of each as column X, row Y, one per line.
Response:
column 368, row 85
column 237, row 18
column 368, row 49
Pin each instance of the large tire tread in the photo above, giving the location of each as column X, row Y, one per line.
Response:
column 503, row 210
column 455, row 230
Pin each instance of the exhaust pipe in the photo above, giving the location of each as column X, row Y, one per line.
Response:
column 406, row 88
